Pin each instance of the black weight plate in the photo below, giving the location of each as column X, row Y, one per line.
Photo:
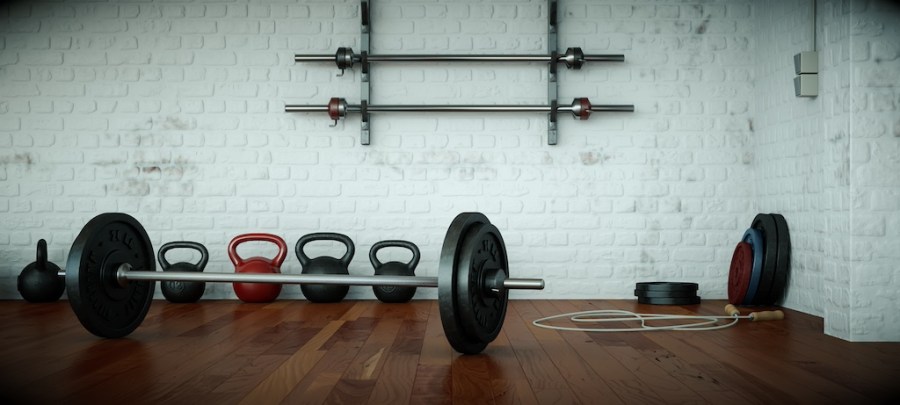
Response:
column 481, row 310
column 765, row 292
column 664, row 294
column 783, row 262
column 670, row 301
column 447, row 285
column 102, row 305
column 665, row 286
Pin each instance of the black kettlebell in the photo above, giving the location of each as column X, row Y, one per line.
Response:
column 183, row 291
column 324, row 265
column 389, row 293
column 40, row 280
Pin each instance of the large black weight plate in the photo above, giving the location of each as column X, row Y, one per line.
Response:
column 447, row 284
column 669, row 301
column 480, row 309
column 783, row 261
column 765, row 292
column 103, row 306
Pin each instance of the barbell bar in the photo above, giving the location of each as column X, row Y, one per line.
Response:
column 344, row 58
column 338, row 108
column 110, row 279
column 125, row 274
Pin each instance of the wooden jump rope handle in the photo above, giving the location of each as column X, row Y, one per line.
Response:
column 776, row 315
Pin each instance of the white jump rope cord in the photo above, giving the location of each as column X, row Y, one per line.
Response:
column 615, row 315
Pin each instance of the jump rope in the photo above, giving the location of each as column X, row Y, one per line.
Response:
column 702, row 322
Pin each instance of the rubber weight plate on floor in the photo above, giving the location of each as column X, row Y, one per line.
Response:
column 669, row 301
column 105, row 307
column 666, row 286
column 740, row 273
column 783, row 262
column 664, row 294
column 765, row 294
column 755, row 239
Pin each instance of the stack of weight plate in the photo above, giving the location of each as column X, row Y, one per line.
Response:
column 761, row 262
column 666, row 293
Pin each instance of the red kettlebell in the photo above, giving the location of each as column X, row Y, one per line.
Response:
column 257, row 292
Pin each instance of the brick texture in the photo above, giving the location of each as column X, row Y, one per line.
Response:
column 173, row 112
column 824, row 162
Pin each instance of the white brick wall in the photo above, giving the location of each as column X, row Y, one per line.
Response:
column 173, row 112
column 829, row 164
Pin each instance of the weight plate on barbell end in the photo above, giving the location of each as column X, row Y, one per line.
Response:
column 783, row 261
column 103, row 306
column 447, row 284
column 481, row 310
column 670, row 301
column 664, row 294
column 666, row 286
column 765, row 292
column 739, row 273
column 755, row 239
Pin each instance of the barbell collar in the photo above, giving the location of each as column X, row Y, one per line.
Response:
column 124, row 274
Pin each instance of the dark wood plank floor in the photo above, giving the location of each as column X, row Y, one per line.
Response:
column 226, row 352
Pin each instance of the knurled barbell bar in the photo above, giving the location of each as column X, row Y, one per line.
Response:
column 344, row 58
column 338, row 108
column 111, row 269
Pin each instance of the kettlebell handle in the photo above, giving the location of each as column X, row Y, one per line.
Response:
column 41, row 255
column 263, row 237
column 204, row 254
column 373, row 253
column 337, row 237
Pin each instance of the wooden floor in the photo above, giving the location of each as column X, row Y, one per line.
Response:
column 223, row 352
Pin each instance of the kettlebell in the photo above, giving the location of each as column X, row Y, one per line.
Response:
column 40, row 281
column 324, row 265
column 183, row 291
column 389, row 293
column 257, row 292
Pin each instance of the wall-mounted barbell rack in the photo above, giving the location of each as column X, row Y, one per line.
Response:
column 573, row 58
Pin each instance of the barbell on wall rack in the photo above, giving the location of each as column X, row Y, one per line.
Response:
column 111, row 270
column 344, row 58
column 338, row 108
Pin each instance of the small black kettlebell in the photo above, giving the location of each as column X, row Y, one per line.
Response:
column 324, row 265
column 389, row 293
column 183, row 291
column 40, row 281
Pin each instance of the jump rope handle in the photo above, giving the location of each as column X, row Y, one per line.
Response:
column 776, row 315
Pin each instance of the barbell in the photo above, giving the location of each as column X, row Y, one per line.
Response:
column 338, row 108
column 344, row 58
column 111, row 270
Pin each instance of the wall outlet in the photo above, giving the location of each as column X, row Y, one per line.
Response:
column 806, row 62
column 806, row 85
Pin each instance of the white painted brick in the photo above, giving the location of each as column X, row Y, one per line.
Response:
column 185, row 100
